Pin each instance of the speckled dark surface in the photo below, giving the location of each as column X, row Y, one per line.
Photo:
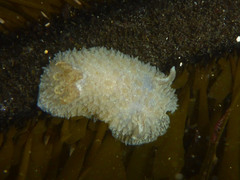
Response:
column 164, row 34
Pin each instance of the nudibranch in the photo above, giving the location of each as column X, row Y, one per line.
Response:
column 129, row 95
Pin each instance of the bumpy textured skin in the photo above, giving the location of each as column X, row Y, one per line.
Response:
column 132, row 97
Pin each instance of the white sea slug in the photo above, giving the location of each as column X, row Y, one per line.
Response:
column 132, row 97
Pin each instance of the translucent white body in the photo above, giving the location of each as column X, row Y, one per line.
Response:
column 132, row 97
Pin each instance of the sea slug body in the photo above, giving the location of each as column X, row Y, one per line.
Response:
column 132, row 97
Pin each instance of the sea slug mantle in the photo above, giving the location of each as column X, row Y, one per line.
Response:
column 132, row 97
